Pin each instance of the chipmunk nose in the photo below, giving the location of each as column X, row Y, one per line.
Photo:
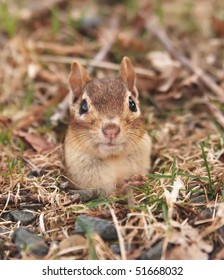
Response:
column 111, row 131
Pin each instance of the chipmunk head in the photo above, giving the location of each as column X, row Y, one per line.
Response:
column 105, row 118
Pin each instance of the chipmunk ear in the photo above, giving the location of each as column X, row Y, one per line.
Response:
column 77, row 79
column 127, row 73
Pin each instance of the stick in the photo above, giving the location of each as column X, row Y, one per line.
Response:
column 217, row 114
column 95, row 63
column 34, row 198
column 63, row 49
column 120, row 237
column 203, row 77
column 13, row 199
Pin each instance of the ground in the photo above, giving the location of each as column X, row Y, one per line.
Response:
column 179, row 210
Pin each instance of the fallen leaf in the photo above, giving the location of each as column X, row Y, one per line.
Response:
column 5, row 120
column 218, row 26
column 74, row 243
column 168, row 81
column 32, row 70
column 171, row 197
column 220, row 255
column 38, row 143
column 162, row 61
column 189, row 81
column 127, row 41
column 166, row 66
column 186, row 244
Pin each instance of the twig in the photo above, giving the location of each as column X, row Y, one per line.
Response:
column 120, row 237
column 13, row 199
column 62, row 49
column 217, row 223
column 6, row 202
column 36, row 170
column 17, row 200
column 203, row 77
column 217, row 114
column 94, row 63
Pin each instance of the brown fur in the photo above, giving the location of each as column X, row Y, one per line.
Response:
column 92, row 160
column 108, row 89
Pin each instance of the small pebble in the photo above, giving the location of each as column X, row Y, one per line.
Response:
column 22, row 216
column 64, row 185
column 25, row 239
column 221, row 232
column 2, row 242
column 35, row 173
column 86, row 195
column 198, row 199
column 91, row 21
column 103, row 227
column 153, row 253
column 205, row 214
column 117, row 250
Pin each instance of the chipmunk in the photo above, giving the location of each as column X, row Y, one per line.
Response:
column 105, row 142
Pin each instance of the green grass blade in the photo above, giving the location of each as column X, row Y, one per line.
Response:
column 192, row 176
column 159, row 176
column 88, row 231
column 159, row 10
column 219, row 129
column 207, row 168
column 173, row 175
column 165, row 212
column 55, row 22
column 104, row 201
column 173, row 170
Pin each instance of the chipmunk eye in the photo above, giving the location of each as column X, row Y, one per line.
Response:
column 132, row 105
column 83, row 107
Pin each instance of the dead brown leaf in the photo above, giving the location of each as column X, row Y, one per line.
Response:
column 218, row 26
column 220, row 255
column 185, row 245
column 5, row 121
column 166, row 66
column 38, row 143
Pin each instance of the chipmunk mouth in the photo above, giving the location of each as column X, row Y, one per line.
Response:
column 110, row 148
column 111, row 144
